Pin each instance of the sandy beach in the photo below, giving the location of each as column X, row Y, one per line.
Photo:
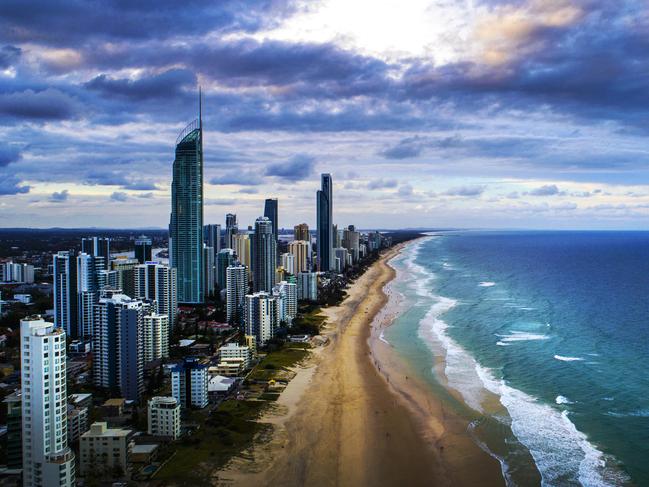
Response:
column 354, row 416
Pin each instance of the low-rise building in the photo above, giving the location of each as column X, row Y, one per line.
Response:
column 164, row 417
column 229, row 367
column 77, row 422
column 234, row 350
column 105, row 449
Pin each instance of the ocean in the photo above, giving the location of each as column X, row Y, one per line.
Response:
column 545, row 341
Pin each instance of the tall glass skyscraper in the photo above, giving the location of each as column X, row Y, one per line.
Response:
column 186, row 224
column 270, row 212
column 264, row 255
column 324, row 201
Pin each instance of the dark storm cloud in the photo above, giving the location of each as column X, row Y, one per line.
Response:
column 166, row 85
column 59, row 197
column 10, row 184
column 49, row 104
column 299, row 167
column 72, row 22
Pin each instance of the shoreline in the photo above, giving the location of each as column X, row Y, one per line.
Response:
column 350, row 416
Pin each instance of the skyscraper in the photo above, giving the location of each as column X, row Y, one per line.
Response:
column 325, row 224
column 65, row 293
column 231, row 230
column 209, row 270
column 89, row 282
column 212, row 237
column 157, row 282
column 237, row 288
column 118, row 344
column 271, row 212
column 143, row 247
column 186, row 224
column 47, row 459
column 264, row 255
column 301, row 232
column 224, row 260
column 262, row 316
column 97, row 247
column 300, row 250
column 242, row 248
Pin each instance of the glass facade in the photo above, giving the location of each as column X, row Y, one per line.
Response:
column 186, row 225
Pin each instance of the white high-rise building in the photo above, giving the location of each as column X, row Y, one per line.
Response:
column 287, row 261
column 164, row 417
column 14, row 272
column 301, row 251
column 47, row 459
column 157, row 282
column 156, row 337
column 237, row 288
column 262, row 316
column 286, row 292
column 89, row 283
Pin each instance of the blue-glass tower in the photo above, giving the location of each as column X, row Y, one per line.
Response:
column 324, row 204
column 186, row 224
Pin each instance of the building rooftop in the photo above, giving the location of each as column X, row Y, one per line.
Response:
column 115, row 402
column 102, row 429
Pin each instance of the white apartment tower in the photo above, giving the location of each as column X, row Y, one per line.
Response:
column 164, row 417
column 47, row 459
column 237, row 288
column 156, row 337
column 157, row 282
column 261, row 316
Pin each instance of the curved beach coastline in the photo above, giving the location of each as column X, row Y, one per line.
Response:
column 351, row 417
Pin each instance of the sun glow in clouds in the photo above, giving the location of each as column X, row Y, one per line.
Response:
column 389, row 29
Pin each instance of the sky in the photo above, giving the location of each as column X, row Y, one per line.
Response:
column 443, row 113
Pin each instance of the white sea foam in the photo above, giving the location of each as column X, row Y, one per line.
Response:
column 382, row 337
column 638, row 413
column 559, row 449
column 568, row 359
column 521, row 336
column 563, row 400
column 487, row 284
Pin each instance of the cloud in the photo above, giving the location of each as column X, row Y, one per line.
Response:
column 249, row 190
column 466, row 191
column 545, row 190
column 406, row 148
column 10, row 184
column 106, row 178
column 118, row 196
column 298, row 168
column 405, row 190
column 167, row 85
column 49, row 104
column 9, row 55
column 382, row 183
column 140, row 186
column 242, row 178
column 220, row 202
column 8, row 154
column 60, row 196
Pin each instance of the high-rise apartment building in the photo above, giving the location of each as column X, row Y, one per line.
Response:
column 237, row 288
column 307, row 286
column 143, row 249
column 91, row 277
column 209, row 270
column 300, row 249
column 125, row 269
column 271, row 212
column 65, row 293
column 287, row 262
column 286, row 293
column 157, row 283
column 231, row 230
column 262, row 316
column 155, row 336
column 324, row 203
column 242, row 248
column 351, row 241
column 212, row 236
column 47, row 459
column 224, row 260
column 97, row 247
column 186, row 223
column 16, row 272
column 118, row 344
column 301, row 232
column 264, row 255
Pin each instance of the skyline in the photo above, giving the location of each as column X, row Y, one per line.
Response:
column 487, row 114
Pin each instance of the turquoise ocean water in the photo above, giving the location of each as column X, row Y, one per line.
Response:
column 556, row 325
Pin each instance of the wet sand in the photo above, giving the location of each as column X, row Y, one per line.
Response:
column 351, row 418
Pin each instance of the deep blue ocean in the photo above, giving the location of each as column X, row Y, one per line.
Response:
column 556, row 324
